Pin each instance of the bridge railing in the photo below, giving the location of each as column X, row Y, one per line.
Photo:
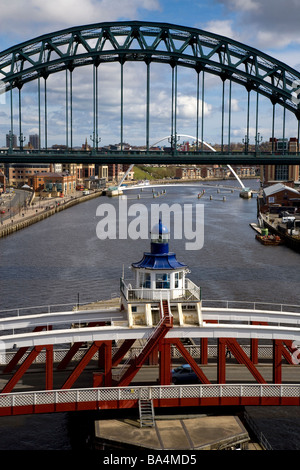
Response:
column 251, row 305
column 47, row 308
column 167, row 392
column 190, row 292
column 191, row 286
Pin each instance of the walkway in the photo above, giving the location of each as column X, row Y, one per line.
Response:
column 172, row 433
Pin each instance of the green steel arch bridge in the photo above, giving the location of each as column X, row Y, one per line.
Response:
column 207, row 54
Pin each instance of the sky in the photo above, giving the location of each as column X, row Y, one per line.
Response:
column 269, row 25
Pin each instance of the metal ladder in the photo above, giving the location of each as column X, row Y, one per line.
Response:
column 146, row 413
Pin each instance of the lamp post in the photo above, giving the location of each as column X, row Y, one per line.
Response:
column 173, row 141
column 258, row 139
column 22, row 140
column 246, row 143
column 95, row 139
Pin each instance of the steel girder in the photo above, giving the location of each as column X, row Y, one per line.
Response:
column 151, row 42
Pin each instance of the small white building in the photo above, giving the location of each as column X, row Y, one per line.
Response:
column 158, row 277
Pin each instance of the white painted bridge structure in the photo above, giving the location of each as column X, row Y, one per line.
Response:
column 282, row 322
column 226, row 322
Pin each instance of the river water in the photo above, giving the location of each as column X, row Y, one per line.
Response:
column 62, row 259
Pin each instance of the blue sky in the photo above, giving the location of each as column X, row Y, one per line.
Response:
column 269, row 25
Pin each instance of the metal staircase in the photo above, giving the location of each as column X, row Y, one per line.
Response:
column 161, row 329
column 146, row 410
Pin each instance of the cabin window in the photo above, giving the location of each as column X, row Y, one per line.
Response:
column 162, row 281
column 178, row 277
column 145, row 280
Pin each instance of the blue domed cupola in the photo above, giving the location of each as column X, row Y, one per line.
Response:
column 160, row 257
column 160, row 280
column 160, row 237
column 159, row 274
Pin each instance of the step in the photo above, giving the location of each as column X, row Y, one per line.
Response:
column 146, row 413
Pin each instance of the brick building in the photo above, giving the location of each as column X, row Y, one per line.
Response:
column 278, row 197
column 272, row 174
column 53, row 182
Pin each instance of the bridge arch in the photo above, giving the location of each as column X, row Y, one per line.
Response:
column 148, row 42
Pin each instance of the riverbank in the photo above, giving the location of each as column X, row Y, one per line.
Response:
column 45, row 209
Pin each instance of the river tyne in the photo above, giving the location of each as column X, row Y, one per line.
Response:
column 61, row 260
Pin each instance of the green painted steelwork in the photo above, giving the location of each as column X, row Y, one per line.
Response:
column 150, row 42
column 152, row 157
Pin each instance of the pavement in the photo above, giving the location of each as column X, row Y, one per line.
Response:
column 37, row 207
column 174, row 433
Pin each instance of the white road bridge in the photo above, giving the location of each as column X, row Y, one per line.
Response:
column 282, row 322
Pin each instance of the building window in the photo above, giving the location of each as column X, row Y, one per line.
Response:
column 162, row 281
column 178, row 277
column 281, row 172
column 145, row 280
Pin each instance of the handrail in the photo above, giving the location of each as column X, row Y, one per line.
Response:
column 190, row 292
column 48, row 307
column 163, row 318
column 156, row 392
column 253, row 303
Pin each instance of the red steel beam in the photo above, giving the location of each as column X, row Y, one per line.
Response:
column 105, row 362
column 123, row 349
column 277, row 361
column 204, row 351
column 254, row 344
column 242, row 358
column 81, row 366
column 221, row 368
column 22, row 369
column 70, row 354
column 20, row 353
column 191, row 361
column 137, row 362
column 74, row 348
column 165, row 362
column 49, row 367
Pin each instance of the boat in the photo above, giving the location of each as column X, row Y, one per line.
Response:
column 246, row 193
column 278, row 210
column 272, row 240
column 114, row 191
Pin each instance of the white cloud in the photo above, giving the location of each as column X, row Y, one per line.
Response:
column 221, row 27
column 22, row 22
column 265, row 23
column 243, row 5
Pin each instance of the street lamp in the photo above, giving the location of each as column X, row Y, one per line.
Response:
column 173, row 141
column 95, row 139
column 246, row 142
column 258, row 139
column 21, row 139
